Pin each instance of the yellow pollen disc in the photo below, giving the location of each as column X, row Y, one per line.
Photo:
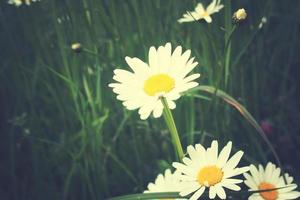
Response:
column 205, row 14
column 158, row 83
column 210, row 175
column 271, row 195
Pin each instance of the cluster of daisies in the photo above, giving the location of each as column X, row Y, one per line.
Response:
column 166, row 75
column 207, row 169
column 21, row 2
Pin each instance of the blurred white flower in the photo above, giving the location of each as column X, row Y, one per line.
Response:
column 20, row 2
column 267, row 179
column 202, row 13
column 167, row 182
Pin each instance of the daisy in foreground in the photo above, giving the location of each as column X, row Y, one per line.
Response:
column 164, row 183
column 20, row 2
column 163, row 76
column 202, row 13
column 208, row 169
column 267, row 179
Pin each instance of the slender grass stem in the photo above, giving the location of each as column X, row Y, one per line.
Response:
column 229, row 29
column 172, row 127
column 191, row 123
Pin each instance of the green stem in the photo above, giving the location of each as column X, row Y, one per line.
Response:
column 228, row 55
column 172, row 127
column 228, row 32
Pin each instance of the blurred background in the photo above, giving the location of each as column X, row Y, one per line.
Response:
column 65, row 136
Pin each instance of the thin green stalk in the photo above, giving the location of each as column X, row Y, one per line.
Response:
column 172, row 127
column 191, row 122
column 228, row 32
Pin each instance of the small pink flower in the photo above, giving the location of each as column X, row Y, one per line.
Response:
column 267, row 127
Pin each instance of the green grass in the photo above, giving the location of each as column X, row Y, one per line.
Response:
column 76, row 141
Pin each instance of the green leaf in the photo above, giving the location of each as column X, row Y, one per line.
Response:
column 148, row 196
column 168, row 195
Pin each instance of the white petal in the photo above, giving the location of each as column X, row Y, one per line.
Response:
column 212, row 192
column 224, row 155
column 198, row 194
column 138, row 66
column 269, row 170
column 220, row 192
column 132, row 105
column 187, row 161
column 208, row 19
column 261, row 173
column 255, row 174
column 191, row 188
column 232, row 187
column 158, row 110
column 177, row 52
column 186, row 178
column 236, row 171
column 191, row 78
column 173, row 95
column 171, row 104
column 164, row 58
column 187, row 86
column 233, row 161
column 153, row 59
column 122, row 75
column 187, row 69
column 184, row 169
column 199, row 9
column 231, row 181
column 192, row 152
column 290, row 195
column 185, row 56
column 214, row 151
column 211, row 6
column 275, row 175
column 250, row 181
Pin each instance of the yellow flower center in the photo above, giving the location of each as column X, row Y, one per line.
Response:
column 210, row 175
column 158, row 83
column 205, row 14
column 271, row 195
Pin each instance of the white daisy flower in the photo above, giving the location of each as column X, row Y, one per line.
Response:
column 267, row 179
column 164, row 76
column 208, row 169
column 202, row 13
column 165, row 183
column 20, row 2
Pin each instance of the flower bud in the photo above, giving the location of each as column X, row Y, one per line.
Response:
column 262, row 22
column 76, row 47
column 239, row 15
